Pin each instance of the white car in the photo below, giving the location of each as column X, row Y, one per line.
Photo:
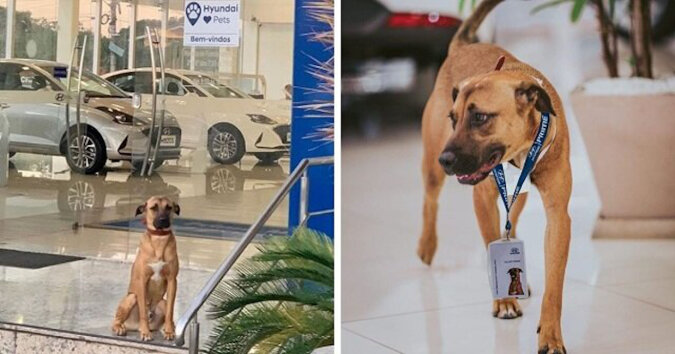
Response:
column 214, row 115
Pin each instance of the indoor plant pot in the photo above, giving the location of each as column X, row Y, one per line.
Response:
column 628, row 126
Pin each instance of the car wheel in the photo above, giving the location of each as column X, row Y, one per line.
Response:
column 223, row 180
column 226, row 144
column 93, row 153
column 268, row 157
column 79, row 196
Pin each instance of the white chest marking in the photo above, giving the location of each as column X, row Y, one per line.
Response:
column 156, row 269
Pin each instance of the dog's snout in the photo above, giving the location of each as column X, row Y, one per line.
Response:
column 447, row 159
column 162, row 222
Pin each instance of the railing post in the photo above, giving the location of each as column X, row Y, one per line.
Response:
column 304, row 195
column 193, row 337
column 4, row 146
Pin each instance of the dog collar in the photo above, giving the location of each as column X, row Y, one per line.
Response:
column 157, row 232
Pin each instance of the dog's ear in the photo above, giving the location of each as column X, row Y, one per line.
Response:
column 532, row 94
column 140, row 210
column 176, row 208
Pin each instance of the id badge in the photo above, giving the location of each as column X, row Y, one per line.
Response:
column 506, row 269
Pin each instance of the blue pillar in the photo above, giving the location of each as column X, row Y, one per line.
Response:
column 309, row 121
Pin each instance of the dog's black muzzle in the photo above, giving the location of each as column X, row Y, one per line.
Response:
column 162, row 222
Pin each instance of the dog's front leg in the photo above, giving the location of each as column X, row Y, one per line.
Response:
column 435, row 129
column 555, row 191
column 169, row 327
column 141, row 295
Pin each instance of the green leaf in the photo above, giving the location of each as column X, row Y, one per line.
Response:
column 278, row 301
column 546, row 5
column 577, row 9
column 461, row 6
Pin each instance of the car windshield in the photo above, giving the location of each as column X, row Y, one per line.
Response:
column 215, row 88
column 93, row 85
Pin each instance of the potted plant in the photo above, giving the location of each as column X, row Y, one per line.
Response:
column 280, row 301
column 628, row 126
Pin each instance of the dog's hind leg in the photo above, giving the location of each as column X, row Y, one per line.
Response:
column 126, row 306
column 487, row 213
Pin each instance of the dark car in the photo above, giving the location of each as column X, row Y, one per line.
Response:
column 389, row 62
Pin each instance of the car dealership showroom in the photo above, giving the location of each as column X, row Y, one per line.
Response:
column 110, row 102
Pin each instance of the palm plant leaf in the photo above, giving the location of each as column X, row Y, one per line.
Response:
column 280, row 301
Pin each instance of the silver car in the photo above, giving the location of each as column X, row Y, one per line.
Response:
column 33, row 93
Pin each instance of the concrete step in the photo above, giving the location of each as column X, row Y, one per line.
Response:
column 71, row 305
column 23, row 339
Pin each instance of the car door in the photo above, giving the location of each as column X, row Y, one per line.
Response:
column 34, row 108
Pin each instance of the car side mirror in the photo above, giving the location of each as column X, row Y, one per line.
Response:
column 136, row 100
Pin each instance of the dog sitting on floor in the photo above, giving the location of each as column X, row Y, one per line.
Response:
column 153, row 275
column 478, row 117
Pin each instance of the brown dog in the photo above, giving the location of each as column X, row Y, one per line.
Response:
column 153, row 275
column 476, row 118
column 516, row 287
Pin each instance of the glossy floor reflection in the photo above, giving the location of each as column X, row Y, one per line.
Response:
column 45, row 208
column 618, row 295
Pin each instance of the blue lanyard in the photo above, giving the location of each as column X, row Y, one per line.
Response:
column 530, row 161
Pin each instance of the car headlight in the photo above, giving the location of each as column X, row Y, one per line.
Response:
column 118, row 116
column 261, row 119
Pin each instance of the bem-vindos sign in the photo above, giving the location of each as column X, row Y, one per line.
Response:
column 211, row 23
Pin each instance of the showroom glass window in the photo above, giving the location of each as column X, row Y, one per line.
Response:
column 35, row 28
column 115, row 27
column 85, row 26
column 3, row 27
column 146, row 15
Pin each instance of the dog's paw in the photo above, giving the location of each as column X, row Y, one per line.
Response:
column 550, row 340
column 506, row 309
column 169, row 331
column 426, row 249
column 119, row 329
column 145, row 335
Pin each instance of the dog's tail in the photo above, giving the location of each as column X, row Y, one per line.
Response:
column 467, row 31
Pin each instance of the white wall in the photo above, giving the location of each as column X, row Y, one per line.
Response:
column 275, row 18
column 276, row 57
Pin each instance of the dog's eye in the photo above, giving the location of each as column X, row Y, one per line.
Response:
column 154, row 207
column 479, row 118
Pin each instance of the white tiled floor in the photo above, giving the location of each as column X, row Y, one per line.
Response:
column 618, row 295
column 36, row 215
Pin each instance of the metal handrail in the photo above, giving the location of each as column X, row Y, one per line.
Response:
column 162, row 88
column 191, row 314
column 154, row 42
column 81, row 48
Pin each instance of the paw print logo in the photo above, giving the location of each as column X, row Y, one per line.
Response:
column 192, row 12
